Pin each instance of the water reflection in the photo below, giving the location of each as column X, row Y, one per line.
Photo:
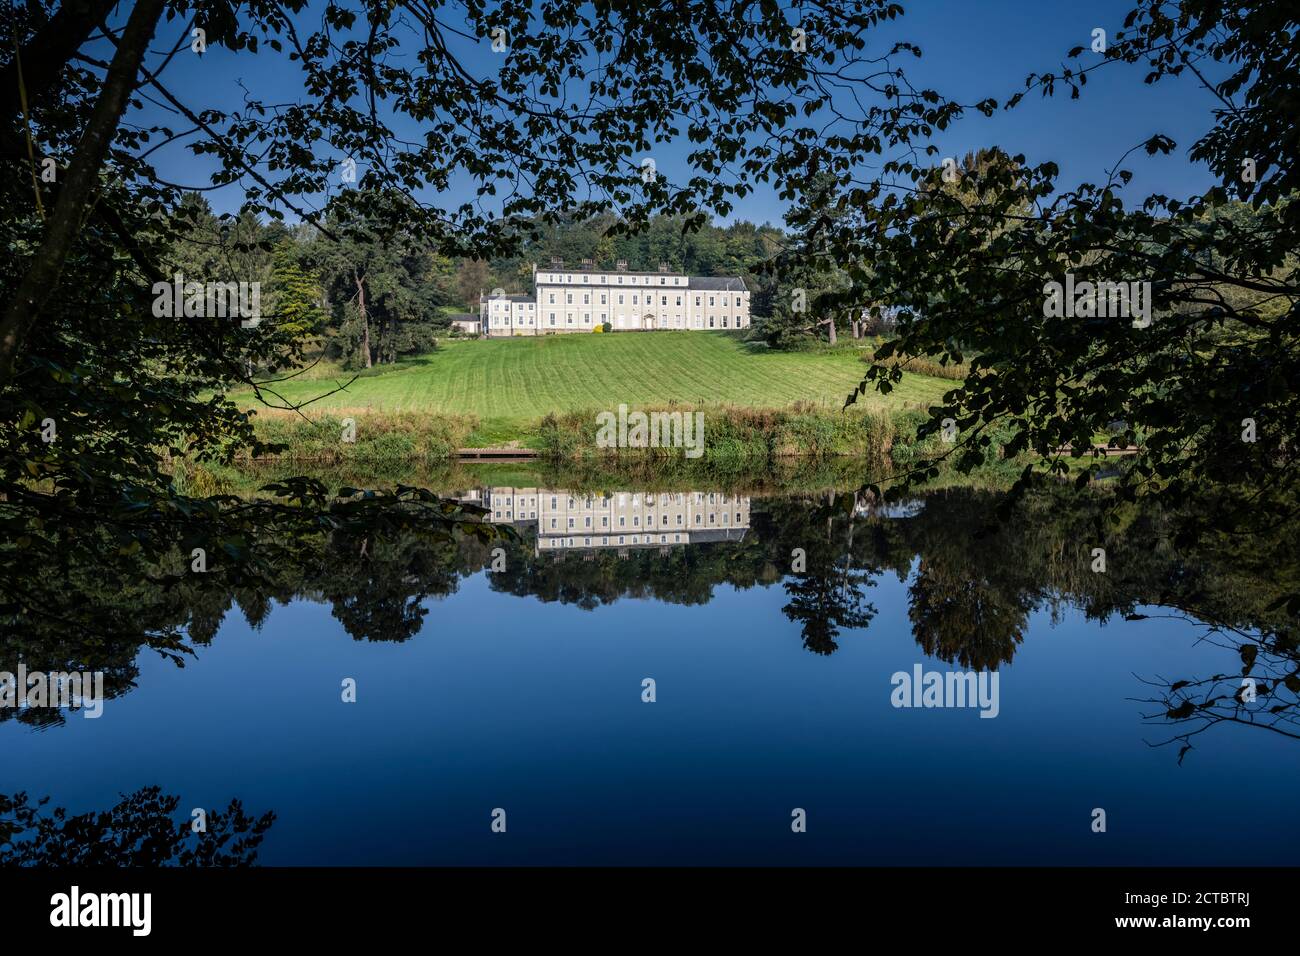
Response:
column 563, row 520
column 969, row 593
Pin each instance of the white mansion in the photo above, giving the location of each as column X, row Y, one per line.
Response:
column 580, row 300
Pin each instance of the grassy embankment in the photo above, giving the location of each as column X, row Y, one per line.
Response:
column 760, row 406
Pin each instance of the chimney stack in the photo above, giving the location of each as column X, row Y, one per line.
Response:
column 663, row 267
column 622, row 265
column 586, row 265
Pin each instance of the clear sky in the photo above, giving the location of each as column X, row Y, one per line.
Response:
column 971, row 50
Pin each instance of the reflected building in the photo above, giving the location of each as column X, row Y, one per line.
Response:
column 569, row 521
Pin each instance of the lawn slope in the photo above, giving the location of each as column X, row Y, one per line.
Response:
column 507, row 383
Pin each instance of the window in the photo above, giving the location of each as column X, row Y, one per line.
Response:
column 603, row 297
column 553, row 299
column 620, row 300
column 552, row 323
column 679, row 301
column 710, row 302
column 586, row 299
column 697, row 302
column 568, row 298
column 663, row 280
column 634, row 300
column 665, row 300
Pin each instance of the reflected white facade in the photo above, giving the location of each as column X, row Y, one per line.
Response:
column 568, row 521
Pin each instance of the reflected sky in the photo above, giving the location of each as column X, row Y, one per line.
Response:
column 532, row 702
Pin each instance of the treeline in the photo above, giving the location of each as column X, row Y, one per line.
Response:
column 711, row 250
column 365, row 298
column 370, row 297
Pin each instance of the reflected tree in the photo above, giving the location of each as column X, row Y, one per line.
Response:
column 831, row 593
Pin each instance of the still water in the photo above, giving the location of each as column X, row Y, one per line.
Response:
column 772, row 628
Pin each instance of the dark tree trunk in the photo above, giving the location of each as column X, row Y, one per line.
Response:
column 365, row 319
column 43, row 60
column 43, row 275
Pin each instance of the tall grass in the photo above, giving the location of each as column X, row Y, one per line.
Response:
column 735, row 438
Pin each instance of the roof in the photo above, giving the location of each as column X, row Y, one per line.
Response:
column 718, row 283
column 513, row 297
column 608, row 272
column 464, row 317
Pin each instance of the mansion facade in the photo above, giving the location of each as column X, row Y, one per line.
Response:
column 581, row 300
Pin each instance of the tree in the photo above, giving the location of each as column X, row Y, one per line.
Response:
column 1195, row 362
column 295, row 294
column 140, row 831
column 560, row 129
column 472, row 279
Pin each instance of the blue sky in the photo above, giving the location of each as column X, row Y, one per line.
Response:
column 970, row 51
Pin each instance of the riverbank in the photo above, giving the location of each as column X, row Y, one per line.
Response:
column 802, row 448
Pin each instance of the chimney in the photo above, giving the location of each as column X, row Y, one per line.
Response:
column 622, row 265
column 557, row 262
column 586, row 265
column 663, row 267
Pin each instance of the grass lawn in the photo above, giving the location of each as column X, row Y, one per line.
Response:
column 508, row 383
